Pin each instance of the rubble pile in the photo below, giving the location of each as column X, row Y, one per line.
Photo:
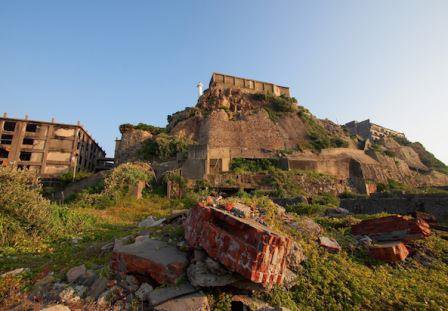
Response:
column 241, row 245
column 389, row 234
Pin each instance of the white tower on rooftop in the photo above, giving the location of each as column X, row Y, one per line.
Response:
column 200, row 85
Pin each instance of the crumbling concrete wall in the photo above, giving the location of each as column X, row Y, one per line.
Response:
column 435, row 204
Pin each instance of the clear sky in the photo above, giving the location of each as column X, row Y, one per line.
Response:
column 108, row 62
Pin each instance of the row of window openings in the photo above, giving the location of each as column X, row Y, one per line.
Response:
column 11, row 126
column 24, row 155
column 7, row 140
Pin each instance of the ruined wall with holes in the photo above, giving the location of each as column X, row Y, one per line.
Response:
column 127, row 148
column 47, row 147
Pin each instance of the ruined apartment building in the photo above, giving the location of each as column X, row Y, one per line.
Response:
column 47, row 147
column 369, row 130
column 223, row 81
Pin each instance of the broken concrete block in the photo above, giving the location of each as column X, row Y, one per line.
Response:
column 156, row 259
column 192, row 302
column 329, row 243
column 389, row 251
column 241, row 245
column 162, row 294
column 392, row 228
column 295, row 257
column 241, row 210
column 143, row 292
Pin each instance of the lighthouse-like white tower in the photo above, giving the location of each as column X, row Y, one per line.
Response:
column 200, row 85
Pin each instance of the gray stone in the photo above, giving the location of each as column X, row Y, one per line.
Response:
column 307, row 227
column 132, row 283
column 192, row 302
column 336, row 212
column 150, row 222
column 98, row 287
column 15, row 272
column 108, row 247
column 329, row 243
column 143, row 292
column 290, row 279
column 109, row 296
column 295, row 257
column 76, row 272
column 200, row 275
column 88, row 278
column 72, row 294
column 162, row 294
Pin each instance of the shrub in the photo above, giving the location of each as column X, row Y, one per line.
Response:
column 67, row 178
column 155, row 130
column 25, row 215
column 253, row 165
column 163, row 147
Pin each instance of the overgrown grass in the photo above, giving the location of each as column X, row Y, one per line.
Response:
column 240, row 165
column 163, row 147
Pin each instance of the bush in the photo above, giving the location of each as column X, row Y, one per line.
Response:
column 25, row 215
column 163, row 147
column 67, row 178
column 253, row 165
column 155, row 130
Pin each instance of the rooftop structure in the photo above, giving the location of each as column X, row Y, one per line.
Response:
column 369, row 130
column 49, row 148
column 224, row 81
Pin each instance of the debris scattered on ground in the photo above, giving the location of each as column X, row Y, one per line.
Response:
column 393, row 228
column 336, row 212
column 307, row 227
column 295, row 257
column 154, row 258
column 329, row 243
column 389, row 251
column 242, row 245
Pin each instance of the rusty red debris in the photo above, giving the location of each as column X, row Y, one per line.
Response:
column 392, row 228
column 389, row 251
column 242, row 245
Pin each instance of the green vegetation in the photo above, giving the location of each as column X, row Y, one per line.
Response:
column 163, row 147
column 425, row 156
column 240, row 165
column 68, row 177
column 155, row 130
column 276, row 106
column 319, row 137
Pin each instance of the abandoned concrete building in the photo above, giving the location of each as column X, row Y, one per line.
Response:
column 49, row 148
column 223, row 82
column 369, row 130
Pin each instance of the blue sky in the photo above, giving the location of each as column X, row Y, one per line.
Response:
column 111, row 62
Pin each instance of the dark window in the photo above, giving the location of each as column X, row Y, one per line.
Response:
column 6, row 139
column 9, row 126
column 4, row 153
column 28, row 141
column 25, row 156
column 31, row 127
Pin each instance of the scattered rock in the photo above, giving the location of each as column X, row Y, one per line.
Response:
column 329, row 243
column 109, row 296
column 307, row 226
column 336, row 212
column 56, row 308
column 157, row 259
column 192, row 302
column 132, row 284
column 72, row 294
column 241, row 210
column 389, row 251
column 295, row 257
column 150, row 222
column 241, row 245
column 143, row 292
column 98, row 287
column 76, row 272
column 88, row 278
column 162, row 294
column 199, row 274
column 290, row 279
column 15, row 272
column 393, row 228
